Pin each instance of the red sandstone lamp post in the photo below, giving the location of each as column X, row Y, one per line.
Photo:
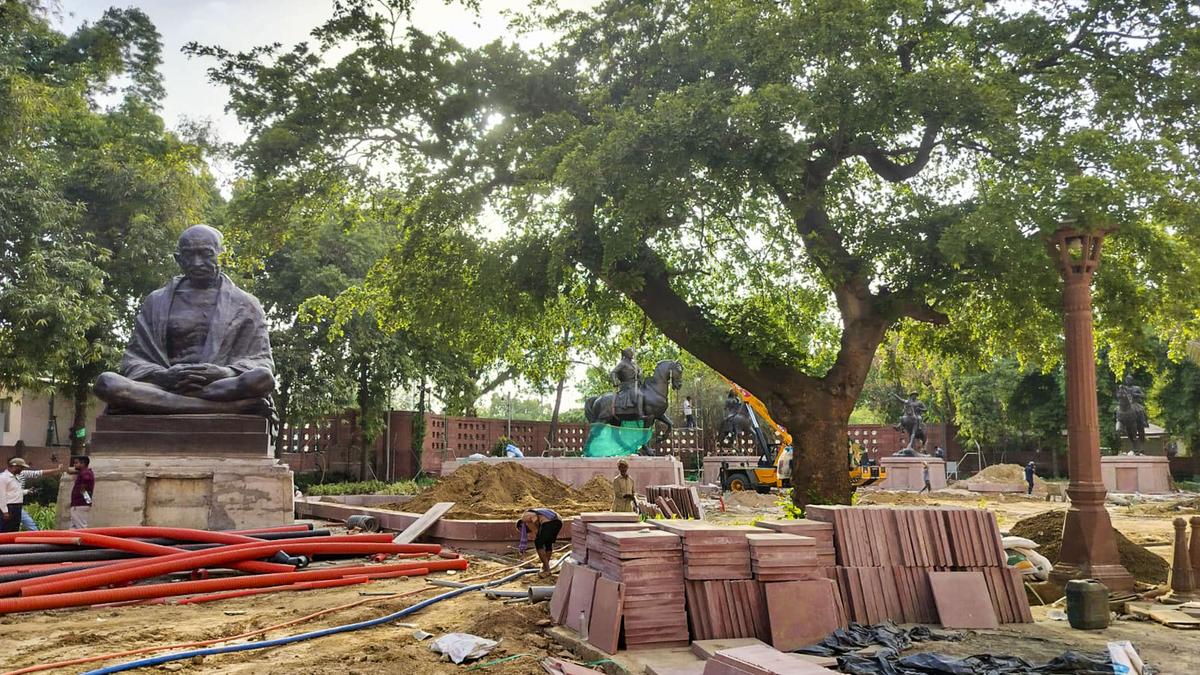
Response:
column 1089, row 548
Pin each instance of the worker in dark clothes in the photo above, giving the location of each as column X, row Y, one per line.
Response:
column 1029, row 477
column 544, row 524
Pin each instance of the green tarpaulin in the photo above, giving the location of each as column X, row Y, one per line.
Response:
column 608, row 441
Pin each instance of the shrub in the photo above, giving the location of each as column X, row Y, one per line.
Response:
column 369, row 487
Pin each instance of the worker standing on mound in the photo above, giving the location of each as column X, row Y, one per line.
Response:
column 623, row 489
column 545, row 525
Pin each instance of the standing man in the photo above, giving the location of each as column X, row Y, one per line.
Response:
column 81, row 491
column 925, row 475
column 12, row 496
column 1029, row 477
column 24, row 477
column 689, row 417
column 623, row 489
column 544, row 524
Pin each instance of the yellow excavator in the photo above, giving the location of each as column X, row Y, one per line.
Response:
column 775, row 459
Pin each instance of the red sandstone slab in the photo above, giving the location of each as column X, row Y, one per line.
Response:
column 604, row 628
column 562, row 592
column 583, row 586
column 760, row 660
column 977, row 542
column 962, row 600
column 788, row 540
column 801, row 612
column 609, row 517
column 891, row 595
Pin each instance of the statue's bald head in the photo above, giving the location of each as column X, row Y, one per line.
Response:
column 201, row 235
column 198, row 251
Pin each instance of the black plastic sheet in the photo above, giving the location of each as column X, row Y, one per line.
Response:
column 894, row 640
column 857, row 636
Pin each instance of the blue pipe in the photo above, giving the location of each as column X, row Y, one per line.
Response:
column 370, row 623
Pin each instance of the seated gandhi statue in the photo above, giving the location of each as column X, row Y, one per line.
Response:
column 199, row 345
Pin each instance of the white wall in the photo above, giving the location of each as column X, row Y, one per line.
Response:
column 28, row 415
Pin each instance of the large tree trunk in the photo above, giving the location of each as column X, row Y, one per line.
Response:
column 820, row 469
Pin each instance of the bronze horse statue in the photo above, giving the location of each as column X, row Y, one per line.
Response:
column 653, row 391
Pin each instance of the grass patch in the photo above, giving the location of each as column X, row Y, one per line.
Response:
column 46, row 516
column 370, row 487
column 1188, row 485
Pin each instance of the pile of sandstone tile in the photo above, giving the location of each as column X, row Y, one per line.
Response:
column 886, row 555
column 787, row 582
column 676, row 501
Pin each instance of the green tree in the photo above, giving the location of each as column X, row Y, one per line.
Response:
column 777, row 185
column 1037, row 407
column 93, row 198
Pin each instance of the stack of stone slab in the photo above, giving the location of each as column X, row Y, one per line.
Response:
column 649, row 565
column 677, row 501
column 821, row 534
column 783, row 557
column 595, row 544
column 885, row 556
column 579, row 529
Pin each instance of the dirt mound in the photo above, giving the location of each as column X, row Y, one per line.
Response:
column 1006, row 473
column 750, row 499
column 1046, row 530
column 509, row 623
column 502, row 491
column 598, row 489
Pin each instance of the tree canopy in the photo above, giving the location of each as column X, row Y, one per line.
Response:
column 777, row 185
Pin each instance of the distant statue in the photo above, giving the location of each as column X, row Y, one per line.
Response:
column 199, row 344
column 735, row 421
column 1132, row 420
column 911, row 423
column 644, row 401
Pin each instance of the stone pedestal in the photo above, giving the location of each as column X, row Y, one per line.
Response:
column 1132, row 473
column 907, row 473
column 213, row 472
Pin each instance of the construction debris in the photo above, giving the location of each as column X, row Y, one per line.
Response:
column 680, row 501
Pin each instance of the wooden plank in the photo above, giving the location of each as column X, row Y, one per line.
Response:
column 426, row 521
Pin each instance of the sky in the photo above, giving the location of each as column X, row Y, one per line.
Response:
column 238, row 25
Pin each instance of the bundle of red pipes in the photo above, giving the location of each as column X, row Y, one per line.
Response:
column 41, row 586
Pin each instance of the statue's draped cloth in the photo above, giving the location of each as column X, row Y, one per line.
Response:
column 237, row 333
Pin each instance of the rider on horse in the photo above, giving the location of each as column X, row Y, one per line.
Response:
column 626, row 377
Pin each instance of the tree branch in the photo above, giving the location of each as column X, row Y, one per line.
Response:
column 645, row 278
column 880, row 160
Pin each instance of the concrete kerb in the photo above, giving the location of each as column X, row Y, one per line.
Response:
column 486, row 535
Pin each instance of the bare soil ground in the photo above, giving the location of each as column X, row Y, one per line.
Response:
column 58, row 635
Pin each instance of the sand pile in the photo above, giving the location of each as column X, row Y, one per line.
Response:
column 598, row 489
column 503, row 491
column 1005, row 473
column 1046, row 530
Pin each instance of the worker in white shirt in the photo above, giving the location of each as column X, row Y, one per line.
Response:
column 23, row 478
column 12, row 496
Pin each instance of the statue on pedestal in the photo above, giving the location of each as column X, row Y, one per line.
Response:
column 1131, row 413
column 911, row 423
column 199, row 345
column 636, row 399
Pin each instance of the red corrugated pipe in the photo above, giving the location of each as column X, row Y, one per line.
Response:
column 14, row 587
column 147, row 531
column 81, row 598
column 116, row 543
column 190, row 560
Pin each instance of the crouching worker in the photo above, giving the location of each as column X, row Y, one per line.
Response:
column 544, row 524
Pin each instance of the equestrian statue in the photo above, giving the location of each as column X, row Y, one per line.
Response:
column 636, row 399
column 1132, row 420
column 735, row 422
column 911, row 423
